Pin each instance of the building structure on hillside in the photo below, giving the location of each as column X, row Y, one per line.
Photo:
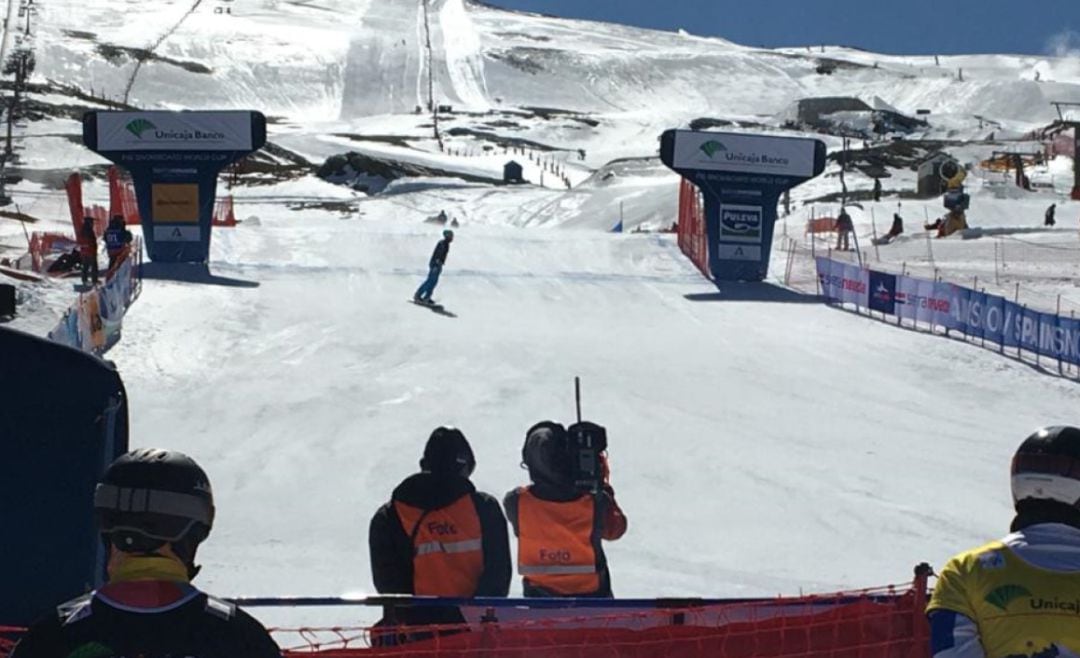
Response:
column 512, row 172
column 850, row 116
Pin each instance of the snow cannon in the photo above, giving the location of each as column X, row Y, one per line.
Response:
column 954, row 176
column 174, row 159
column 741, row 178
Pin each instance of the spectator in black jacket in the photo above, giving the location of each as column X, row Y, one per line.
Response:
column 435, row 265
column 439, row 536
column 153, row 508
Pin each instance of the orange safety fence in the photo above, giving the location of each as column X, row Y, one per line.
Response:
column 868, row 624
column 73, row 187
column 691, row 228
column 877, row 623
column 44, row 247
column 821, row 225
column 8, row 637
column 224, row 214
column 122, row 200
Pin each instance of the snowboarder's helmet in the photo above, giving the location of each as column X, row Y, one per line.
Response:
column 1046, row 467
column 448, row 234
column 149, row 497
column 448, row 453
column 546, row 453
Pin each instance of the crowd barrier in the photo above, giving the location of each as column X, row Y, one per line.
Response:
column 974, row 314
column 93, row 322
column 879, row 623
column 693, row 239
column 224, row 214
column 887, row 622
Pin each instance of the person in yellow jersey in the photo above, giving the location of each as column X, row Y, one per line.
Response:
column 1020, row 596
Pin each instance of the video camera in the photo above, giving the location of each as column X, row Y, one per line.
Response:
column 586, row 443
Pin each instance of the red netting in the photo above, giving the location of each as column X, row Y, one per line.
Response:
column 223, row 212
column 880, row 623
column 691, row 228
column 8, row 637
column 862, row 625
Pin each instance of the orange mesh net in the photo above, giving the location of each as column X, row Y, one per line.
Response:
column 877, row 623
column 868, row 624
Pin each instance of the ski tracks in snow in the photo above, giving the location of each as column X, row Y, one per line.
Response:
column 462, row 55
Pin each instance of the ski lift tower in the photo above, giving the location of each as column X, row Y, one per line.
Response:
column 1069, row 117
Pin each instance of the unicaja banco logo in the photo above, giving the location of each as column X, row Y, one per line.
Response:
column 1006, row 594
column 138, row 126
column 712, row 147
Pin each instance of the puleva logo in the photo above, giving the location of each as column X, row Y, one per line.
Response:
column 712, row 147
column 138, row 126
column 1006, row 594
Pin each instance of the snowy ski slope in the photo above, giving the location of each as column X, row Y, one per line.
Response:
column 757, row 446
column 760, row 444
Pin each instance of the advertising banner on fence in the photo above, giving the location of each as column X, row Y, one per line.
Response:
column 844, row 282
column 937, row 304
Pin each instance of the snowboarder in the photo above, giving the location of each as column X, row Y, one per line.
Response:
column 148, row 606
column 438, row 535
column 844, row 228
column 117, row 239
column 877, row 189
column 88, row 250
column 897, row 226
column 1016, row 596
column 67, row 262
column 556, row 521
column 435, row 265
column 1048, row 218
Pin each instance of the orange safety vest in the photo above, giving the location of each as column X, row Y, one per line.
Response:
column 448, row 553
column 555, row 543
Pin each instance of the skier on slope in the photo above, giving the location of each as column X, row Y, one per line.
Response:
column 153, row 508
column 560, row 527
column 1017, row 596
column 435, row 265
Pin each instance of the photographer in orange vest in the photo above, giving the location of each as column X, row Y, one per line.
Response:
column 560, row 519
column 438, row 535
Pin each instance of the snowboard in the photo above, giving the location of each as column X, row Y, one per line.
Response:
column 435, row 308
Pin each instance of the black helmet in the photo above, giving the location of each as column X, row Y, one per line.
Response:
column 1046, row 467
column 546, row 453
column 448, row 453
column 149, row 497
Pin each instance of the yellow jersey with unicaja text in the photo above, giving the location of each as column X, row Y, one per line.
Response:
column 1021, row 610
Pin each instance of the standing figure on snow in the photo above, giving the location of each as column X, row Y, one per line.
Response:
column 153, row 508
column 1048, row 219
column 844, row 228
column 117, row 239
column 435, row 265
column 1015, row 597
column 88, row 251
column 439, row 536
column 877, row 189
column 559, row 526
